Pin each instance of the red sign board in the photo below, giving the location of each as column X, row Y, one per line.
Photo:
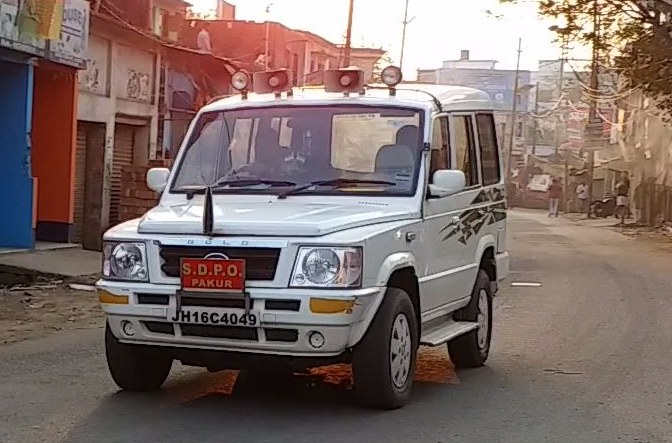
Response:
column 212, row 275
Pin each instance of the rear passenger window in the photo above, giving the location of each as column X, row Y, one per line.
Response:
column 465, row 148
column 487, row 138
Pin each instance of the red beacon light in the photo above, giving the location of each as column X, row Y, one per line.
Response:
column 275, row 82
column 241, row 82
column 346, row 80
column 391, row 77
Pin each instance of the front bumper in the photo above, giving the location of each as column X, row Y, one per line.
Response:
column 282, row 331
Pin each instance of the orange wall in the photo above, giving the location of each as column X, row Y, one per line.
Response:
column 54, row 140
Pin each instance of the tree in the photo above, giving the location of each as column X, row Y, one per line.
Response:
column 635, row 36
column 381, row 64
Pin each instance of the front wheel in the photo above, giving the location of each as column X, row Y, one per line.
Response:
column 471, row 350
column 383, row 362
column 135, row 368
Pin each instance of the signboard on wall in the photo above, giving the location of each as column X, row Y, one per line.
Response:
column 56, row 29
column 70, row 48
column 16, row 31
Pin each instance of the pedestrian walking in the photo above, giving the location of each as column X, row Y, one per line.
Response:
column 554, row 194
column 511, row 194
column 622, row 197
column 582, row 196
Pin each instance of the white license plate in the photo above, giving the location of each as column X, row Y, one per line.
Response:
column 215, row 317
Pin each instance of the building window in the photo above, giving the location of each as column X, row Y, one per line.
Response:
column 519, row 129
column 487, row 138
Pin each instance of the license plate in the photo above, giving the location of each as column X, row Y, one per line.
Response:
column 215, row 317
column 212, row 275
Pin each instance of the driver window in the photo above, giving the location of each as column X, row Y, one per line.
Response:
column 439, row 147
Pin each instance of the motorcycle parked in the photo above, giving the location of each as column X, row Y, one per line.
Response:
column 603, row 208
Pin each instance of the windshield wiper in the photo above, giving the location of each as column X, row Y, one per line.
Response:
column 237, row 183
column 245, row 182
column 334, row 182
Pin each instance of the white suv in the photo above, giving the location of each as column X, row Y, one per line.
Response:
column 305, row 227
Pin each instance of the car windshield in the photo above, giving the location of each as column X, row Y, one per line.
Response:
column 362, row 149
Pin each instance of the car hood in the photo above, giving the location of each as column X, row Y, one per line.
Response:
column 269, row 218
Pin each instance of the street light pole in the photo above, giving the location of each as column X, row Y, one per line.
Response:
column 348, row 36
column 514, row 110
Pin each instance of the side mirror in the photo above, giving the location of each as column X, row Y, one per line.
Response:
column 157, row 179
column 447, row 182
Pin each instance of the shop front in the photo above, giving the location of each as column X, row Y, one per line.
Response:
column 16, row 181
column 38, row 78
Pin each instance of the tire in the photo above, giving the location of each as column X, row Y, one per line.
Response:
column 383, row 381
column 471, row 350
column 135, row 368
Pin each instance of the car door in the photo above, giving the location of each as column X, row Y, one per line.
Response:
column 450, row 221
column 492, row 199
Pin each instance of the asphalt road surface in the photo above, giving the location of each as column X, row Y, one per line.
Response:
column 585, row 357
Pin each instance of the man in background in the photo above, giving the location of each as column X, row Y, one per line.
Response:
column 203, row 38
column 582, row 196
column 554, row 194
column 623, row 194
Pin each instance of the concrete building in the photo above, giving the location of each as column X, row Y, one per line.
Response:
column 138, row 93
column 118, row 121
column 498, row 83
column 306, row 54
column 38, row 71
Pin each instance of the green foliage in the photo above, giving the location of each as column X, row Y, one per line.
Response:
column 382, row 63
column 634, row 36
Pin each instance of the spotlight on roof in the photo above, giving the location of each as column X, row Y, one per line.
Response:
column 346, row 80
column 240, row 81
column 275, row 82
column 391, row 76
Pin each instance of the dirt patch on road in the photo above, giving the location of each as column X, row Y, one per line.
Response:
column 45, row 308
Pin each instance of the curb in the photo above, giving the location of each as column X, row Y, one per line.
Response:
column 13, row 276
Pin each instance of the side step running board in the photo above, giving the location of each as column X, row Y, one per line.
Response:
column 445, row 332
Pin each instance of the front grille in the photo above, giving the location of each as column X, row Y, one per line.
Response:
column 226, row 332
column 282, row 335
column 153, row 299
column 158, row 327
column 260, row 263
column 234, row 303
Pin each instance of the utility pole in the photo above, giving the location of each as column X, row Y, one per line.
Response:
column 536, row 121
column 403, row 35
column 559, row 115
column 563, row 56
column 268, row 35
column 514, row 110
column 348, row 37
column 592, row 114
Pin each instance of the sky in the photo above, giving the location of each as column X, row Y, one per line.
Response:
column 439, row 30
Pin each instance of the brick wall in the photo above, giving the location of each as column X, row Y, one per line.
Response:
column 136, row 197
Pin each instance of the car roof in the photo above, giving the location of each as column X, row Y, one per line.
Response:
column 452, row 98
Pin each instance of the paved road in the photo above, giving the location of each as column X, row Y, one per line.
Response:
column 584, row 358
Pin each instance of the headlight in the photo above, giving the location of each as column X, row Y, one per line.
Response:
column 327, row 267
column 125, row 261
